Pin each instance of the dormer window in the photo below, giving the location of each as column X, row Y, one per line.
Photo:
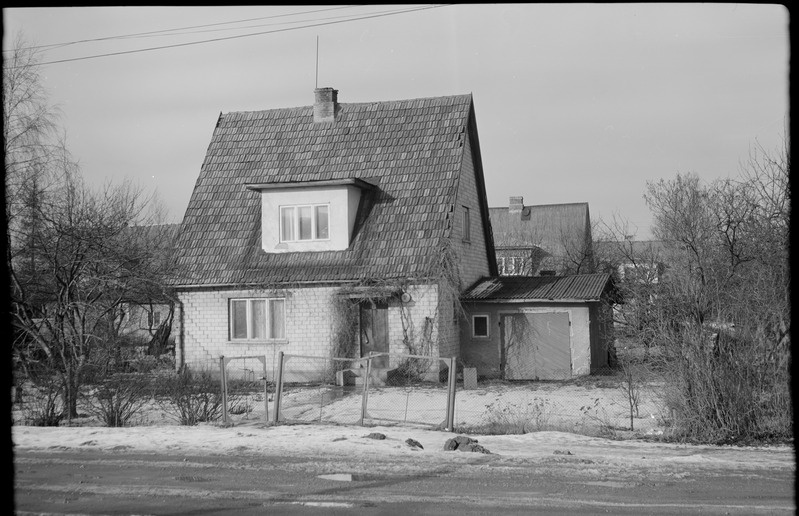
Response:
column 302, row 223
column 309, row 216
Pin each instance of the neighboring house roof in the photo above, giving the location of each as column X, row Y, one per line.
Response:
column 551, row 227
column 622, row 250
column 411, row 150
column 577, row 287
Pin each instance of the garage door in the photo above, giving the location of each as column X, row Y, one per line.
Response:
column 536, row 346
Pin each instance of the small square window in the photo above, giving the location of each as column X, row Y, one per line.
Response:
column 479, row 326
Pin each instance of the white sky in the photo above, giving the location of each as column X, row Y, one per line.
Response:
column 574, row 102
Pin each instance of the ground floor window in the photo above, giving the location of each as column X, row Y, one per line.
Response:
column 257, row 319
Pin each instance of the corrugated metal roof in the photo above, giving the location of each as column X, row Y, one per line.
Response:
column 583, row 287
column 412, row 149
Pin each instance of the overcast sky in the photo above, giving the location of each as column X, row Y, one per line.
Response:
column 574, row 102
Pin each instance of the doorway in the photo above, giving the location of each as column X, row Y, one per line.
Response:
column 374, row 331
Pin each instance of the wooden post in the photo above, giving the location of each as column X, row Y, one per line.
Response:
column 278, row 387
column 451, row 396
column 365, row 397
column 223, row 380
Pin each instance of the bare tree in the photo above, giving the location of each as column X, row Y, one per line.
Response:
column 71, row 257
column 722, row 311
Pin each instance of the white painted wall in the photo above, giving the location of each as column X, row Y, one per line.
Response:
column 343, row 201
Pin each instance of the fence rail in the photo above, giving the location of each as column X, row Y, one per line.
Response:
column 413, row 389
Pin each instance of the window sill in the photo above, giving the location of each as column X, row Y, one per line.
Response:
column 258, row 341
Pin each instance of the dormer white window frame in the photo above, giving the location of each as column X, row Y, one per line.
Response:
column 342, row 197
column 315, row 231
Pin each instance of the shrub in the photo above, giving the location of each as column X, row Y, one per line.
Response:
column 118, row 398
column 508, row 419
column 44, row 405
column 192, row 397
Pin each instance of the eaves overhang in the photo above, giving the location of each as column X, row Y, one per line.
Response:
column 351, row 181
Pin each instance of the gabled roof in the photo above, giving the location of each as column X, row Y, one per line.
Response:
column 577, row 287
column 549, row 226
column 410, row 149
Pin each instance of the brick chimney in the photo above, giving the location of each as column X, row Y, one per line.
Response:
column 516, row 204
column 325, row 105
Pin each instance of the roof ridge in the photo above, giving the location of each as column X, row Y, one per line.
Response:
column 361, row 103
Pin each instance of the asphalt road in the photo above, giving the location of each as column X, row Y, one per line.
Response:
column 94, row 483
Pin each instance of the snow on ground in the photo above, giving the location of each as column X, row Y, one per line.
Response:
column 548, row 409
column 255, row 439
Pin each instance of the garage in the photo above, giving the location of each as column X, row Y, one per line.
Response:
column 538, row 327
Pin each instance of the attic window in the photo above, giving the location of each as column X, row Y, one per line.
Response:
column 302, row 223
column 466, row 225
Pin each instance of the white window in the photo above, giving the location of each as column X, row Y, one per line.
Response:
column 467, row 225
column 309, row 222
column 151, row 319
column 480, row 326
column 257, row 319
column 511, row 265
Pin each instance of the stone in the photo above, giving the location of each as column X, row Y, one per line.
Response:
column 376, row 435
column 414, row 443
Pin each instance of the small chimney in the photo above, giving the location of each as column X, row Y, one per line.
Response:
column 325, row 105
column 516, row 204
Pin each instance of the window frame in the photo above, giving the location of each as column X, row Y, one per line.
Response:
column 268, row 329
column 148, row 319
column 487, row 318
column 295, row 222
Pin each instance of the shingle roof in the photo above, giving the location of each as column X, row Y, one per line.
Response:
column 577, row 287
column 411, row 149
column 548, row 226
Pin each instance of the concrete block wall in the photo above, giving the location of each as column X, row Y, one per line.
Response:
column 206, row 323
column 423, row 305
column 309, row 327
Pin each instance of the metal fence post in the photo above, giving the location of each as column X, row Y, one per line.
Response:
column 278, row 387
column 223, row 379
column 266, row 393
column 365, row 396
column 451, row 395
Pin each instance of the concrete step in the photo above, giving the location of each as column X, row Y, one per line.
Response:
column 355, row 376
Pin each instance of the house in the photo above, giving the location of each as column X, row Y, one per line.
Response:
column 542, row 240
column 538, row 327
column 638, row 267
column 306, row 223
column 147, row 316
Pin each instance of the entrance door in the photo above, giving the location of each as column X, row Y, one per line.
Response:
column 536, row 346
column 374, row 331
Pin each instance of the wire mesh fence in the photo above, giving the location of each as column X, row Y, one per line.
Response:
column 245, row 388
column 601, row 406
column 379, row 389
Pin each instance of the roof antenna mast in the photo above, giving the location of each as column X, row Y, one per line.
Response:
column 317, row 62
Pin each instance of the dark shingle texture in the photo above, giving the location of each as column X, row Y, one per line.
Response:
column 552, row 227
column 580, row 287
column 411, row 149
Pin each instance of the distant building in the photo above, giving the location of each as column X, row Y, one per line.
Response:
column 542, row 240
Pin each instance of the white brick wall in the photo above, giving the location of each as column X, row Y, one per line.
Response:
column 309, row 326
column 308, row 330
